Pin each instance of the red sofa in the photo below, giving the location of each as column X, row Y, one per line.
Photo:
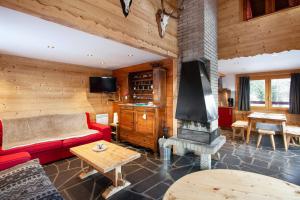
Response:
column 55, row 150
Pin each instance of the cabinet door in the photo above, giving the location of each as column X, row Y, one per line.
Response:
column 145, row 122
column 225, row 117
column 126, row 120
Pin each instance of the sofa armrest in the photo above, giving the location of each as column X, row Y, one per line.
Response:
column 104, row 129
column 10, row 160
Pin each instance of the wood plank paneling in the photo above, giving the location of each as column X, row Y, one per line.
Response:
column 122, row 78
column 275, row 32
column 105, row 18
column 30, row 87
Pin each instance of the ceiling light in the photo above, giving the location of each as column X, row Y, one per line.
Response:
column 130, row 55
column 89, row 55
column 102, row 62
column 50, row 47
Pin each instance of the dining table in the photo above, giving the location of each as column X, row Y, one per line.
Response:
column 272, row 118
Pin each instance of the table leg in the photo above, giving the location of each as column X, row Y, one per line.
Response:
column 118, row 183
column 86, row 172
column 249, row 130
column 284, row 136
column 205, row 161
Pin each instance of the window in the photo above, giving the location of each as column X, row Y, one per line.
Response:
column 257, row 93
column 280, row 92
column 256, row 8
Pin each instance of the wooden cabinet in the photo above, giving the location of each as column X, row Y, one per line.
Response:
column 148, row 86
column 141, row 125
column 225, row 117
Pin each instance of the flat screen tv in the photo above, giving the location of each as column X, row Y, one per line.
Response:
column 103, row 84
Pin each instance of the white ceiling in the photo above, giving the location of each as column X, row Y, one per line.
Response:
column 29, row 36
column 261, row 63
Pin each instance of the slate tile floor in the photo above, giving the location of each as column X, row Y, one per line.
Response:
column 150, row 177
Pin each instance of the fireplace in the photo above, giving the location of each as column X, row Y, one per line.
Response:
column 196, row 107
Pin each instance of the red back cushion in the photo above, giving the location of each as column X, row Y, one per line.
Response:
column 88, row 120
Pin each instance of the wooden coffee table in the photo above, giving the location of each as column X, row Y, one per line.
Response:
column 220, row 184
column 108, row 163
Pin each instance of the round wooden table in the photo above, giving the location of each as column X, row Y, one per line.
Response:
column 231, row 184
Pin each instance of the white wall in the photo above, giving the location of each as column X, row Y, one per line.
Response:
column 228, row 82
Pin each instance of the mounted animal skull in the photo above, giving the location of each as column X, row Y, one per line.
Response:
column 162, row 18
column 126, row 6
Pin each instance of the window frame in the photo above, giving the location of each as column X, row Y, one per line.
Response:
column 268, row 92
column 269, row 9
column 266, row 103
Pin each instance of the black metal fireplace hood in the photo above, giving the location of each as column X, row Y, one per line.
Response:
column 195, row 100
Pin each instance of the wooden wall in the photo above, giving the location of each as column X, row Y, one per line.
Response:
column 292, row 119
column 274, row 32
column 169, row 64
column 31, row 87
column 105, row 18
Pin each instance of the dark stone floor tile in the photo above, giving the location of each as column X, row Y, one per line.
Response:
column 169, row 182
column 65, row 176
column 65, row 195
column 75, row 163
column 50, row 169
column 183, row 161
column 141, row 159
column 257, row 169
column 158, row 191
column 128, row 195
column 246, row 159
column 180, row 172
column 139, row 175
column 52, row 177
column 81, row 191
column 70, row 182
column 232, row 160
column 150, row 176
column 150, row 165
column 127, row 169
column 149, row 182
column 101, row 185
column 290, row 178
column 260, row 163
column 157, row 161
column 292, row 170
column 220, row 165
column 62, row 165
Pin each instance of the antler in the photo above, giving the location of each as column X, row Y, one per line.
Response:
column 179, row 10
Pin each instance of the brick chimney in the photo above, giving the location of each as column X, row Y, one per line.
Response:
column 197, row 40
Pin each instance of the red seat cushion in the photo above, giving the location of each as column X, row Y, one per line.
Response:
column 68, row 143
column 11, row 160
column 34, row 148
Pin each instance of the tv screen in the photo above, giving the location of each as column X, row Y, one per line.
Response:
column 103, row 84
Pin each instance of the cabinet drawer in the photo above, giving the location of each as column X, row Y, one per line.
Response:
column 126, row 107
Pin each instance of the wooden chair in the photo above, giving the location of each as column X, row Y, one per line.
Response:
column 241, row 126
column 291, row 133
column 262, row 132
